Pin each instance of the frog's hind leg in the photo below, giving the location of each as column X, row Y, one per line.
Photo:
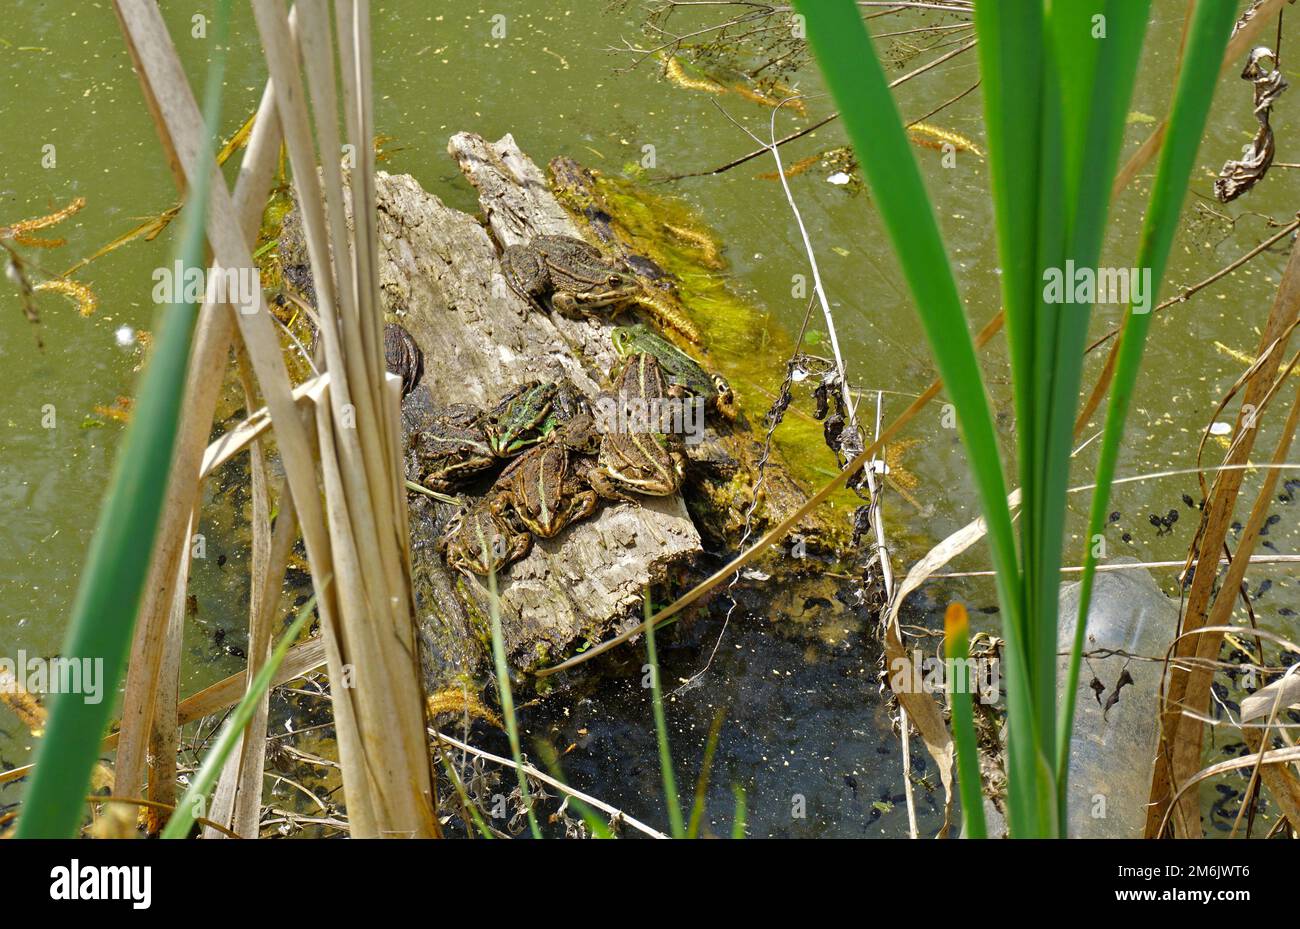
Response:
column 526, row 275
column 667, row 315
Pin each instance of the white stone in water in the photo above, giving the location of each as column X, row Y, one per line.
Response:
column 1220, row 429
column 125, row 336
column 839, row 178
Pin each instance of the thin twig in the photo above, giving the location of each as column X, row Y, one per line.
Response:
column 558, row 785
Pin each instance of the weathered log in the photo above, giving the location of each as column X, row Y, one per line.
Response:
column 440, row 276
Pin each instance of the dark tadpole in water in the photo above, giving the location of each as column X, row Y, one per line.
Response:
column 1188, row 501
column 221, row 561
column 1126, row 537
column 1154, row 519
column 1114, row 517
column 1264, row 587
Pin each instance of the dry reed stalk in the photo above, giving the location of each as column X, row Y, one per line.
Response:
column 177, row 114
column 164, row 732
column 1180, row 748
column 356, row 442
column 251, row 746
column 203, row 383
column 1280, row 780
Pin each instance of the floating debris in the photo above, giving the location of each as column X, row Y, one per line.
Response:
column 19, row 231
column 927, row 136
column 690, row 77
column 1237, row 177
column 793, row 170
column 75, row 291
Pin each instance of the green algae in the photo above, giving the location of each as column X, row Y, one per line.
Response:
column 744, row 342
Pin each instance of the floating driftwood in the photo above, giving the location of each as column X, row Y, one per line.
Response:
column 441, row 277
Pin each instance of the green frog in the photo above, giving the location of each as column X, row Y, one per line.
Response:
column 575, row 276
column 634, row 455
column 649, row 463
column 445, row 445
column 479, row 541
column 679, row 368
column 529, row 413
column 543, row 490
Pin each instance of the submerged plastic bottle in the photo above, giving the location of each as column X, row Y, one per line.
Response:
column 1113, row 748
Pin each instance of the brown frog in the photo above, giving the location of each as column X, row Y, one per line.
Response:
column 544, row 490
column 634, row 453
column 445, row 445
column 573, row 275
column 479, row 541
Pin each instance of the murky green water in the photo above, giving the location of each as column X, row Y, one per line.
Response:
column 799, row 678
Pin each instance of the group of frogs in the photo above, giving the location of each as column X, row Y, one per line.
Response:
column 559, row 458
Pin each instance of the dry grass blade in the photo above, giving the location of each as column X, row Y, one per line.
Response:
column 387, row 772
column 1196, row 694
column 203, row 383
column 1281, row 781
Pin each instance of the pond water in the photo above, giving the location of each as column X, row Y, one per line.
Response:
column 797, row 676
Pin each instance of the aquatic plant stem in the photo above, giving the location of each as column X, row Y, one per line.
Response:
column 661, row 731
column 956, row 635
column 502, row 667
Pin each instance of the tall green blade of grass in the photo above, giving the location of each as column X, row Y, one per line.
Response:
column 502, row 667
column 661, row 731
column 103, row 614
column 196, row 797
column 706, row 771
column 956, row 637
column 1091, row 52
column 1207, row 38
column 1011, row 51
column 738, row 819
column 848, row 61
column 1097, row 75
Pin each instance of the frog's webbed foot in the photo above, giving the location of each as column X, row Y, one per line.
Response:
column 564, row 304
column 584, row 504
column 522, row 545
